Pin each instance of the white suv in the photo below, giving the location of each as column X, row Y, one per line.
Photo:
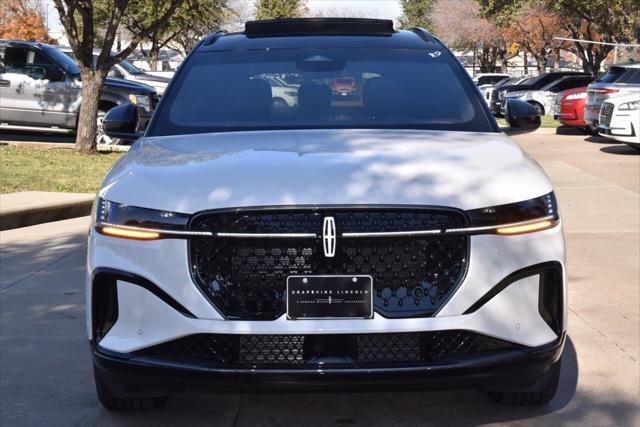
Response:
column 395, row 238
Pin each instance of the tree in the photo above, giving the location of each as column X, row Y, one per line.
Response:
column 23, row 20
column 534, row 29
column 277, row 9
column 459, row 24
column 192, row 20
column 417, row 13
column 78, row 19
column 613, row 21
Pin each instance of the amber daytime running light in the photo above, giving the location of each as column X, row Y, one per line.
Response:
column 121, row 220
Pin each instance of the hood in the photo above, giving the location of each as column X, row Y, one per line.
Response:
column 145, row 77
column 323, row 167
column 128, row 85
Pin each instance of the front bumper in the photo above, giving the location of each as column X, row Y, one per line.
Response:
column 132, row 376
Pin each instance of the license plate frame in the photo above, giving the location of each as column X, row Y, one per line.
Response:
column 345, row 296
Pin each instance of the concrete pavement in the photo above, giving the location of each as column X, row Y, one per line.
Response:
column 45, row 369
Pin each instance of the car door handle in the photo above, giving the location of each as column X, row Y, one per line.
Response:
column 5, row 83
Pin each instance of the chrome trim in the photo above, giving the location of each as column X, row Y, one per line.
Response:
column 463, row 230
column 393, row 233
column 269, row 235
column 157, row 230
column 466, row 230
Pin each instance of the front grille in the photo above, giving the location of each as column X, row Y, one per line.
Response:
column 606, row 111
column 245, row 278
column 299, row 351
column 155, row 99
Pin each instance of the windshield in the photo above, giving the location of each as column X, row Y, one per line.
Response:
column 230, row 91
column 62, row 60
column 131, row 69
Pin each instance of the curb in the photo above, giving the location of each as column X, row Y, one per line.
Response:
column 38, row 213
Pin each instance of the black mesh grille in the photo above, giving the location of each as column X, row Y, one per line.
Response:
column 606, row 111
column 246, row 278
column 309, row 350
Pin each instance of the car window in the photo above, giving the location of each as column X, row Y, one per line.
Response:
column 630, row 76
column 226, row 91
column 25, row 61
column 62, row 60
column 635, row 77
column 612, row 75
column 570, row 83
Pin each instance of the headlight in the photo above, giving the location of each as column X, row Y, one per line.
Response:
column 574, row 96
column 122, row 220
column 628, row 106
column 516, row 218
column 141, row 101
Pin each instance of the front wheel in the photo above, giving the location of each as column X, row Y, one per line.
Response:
column 532, row 397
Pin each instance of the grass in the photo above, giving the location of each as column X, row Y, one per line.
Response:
column 547, row 122
column 57, row 169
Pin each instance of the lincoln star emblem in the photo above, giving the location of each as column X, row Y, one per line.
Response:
column 329, row 237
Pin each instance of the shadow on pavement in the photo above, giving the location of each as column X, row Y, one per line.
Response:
column 36, row 137
column 411, row 408
column 599, row 140
column 568, row 130
column 623, row 150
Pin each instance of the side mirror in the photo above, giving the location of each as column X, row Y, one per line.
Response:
column 114, row 72
column 521, row 116
column 121, row 122
column 54, row 74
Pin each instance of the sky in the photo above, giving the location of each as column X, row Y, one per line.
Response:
column 389, row 9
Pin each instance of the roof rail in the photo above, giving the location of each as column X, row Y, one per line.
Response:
column 319, row 26
column 424, row 35
column 211, row 38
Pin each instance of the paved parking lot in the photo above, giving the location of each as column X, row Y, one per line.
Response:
column 45, row 368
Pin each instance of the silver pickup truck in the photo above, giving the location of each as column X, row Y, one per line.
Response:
column 40, row 90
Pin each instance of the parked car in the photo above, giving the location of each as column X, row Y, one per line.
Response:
column 544, row 98
column 490, row 92
column 332, row 245
column 489, row 78
column 40, row 89
column 285, row 95
column 531, row 83
column 570, row 105
column 620, row 119
column 344, row 86
column 127, row 71
column 621, row 79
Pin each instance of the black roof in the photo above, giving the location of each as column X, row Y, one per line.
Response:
column 320, row 33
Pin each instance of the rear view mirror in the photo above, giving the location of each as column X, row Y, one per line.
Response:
column 121, row 122
column 521, row 116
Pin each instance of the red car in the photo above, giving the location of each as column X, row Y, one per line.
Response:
column 344, row 86
column 570, row 106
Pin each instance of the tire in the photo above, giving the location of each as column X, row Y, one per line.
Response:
column 538, row 107
column 593, row 131
column 279, row 104
column 111, row 403
column 101, row 137
column 528, row 398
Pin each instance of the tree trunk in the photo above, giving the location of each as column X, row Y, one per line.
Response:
column 92, row 82
column 541, row 63
column 526, row 66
